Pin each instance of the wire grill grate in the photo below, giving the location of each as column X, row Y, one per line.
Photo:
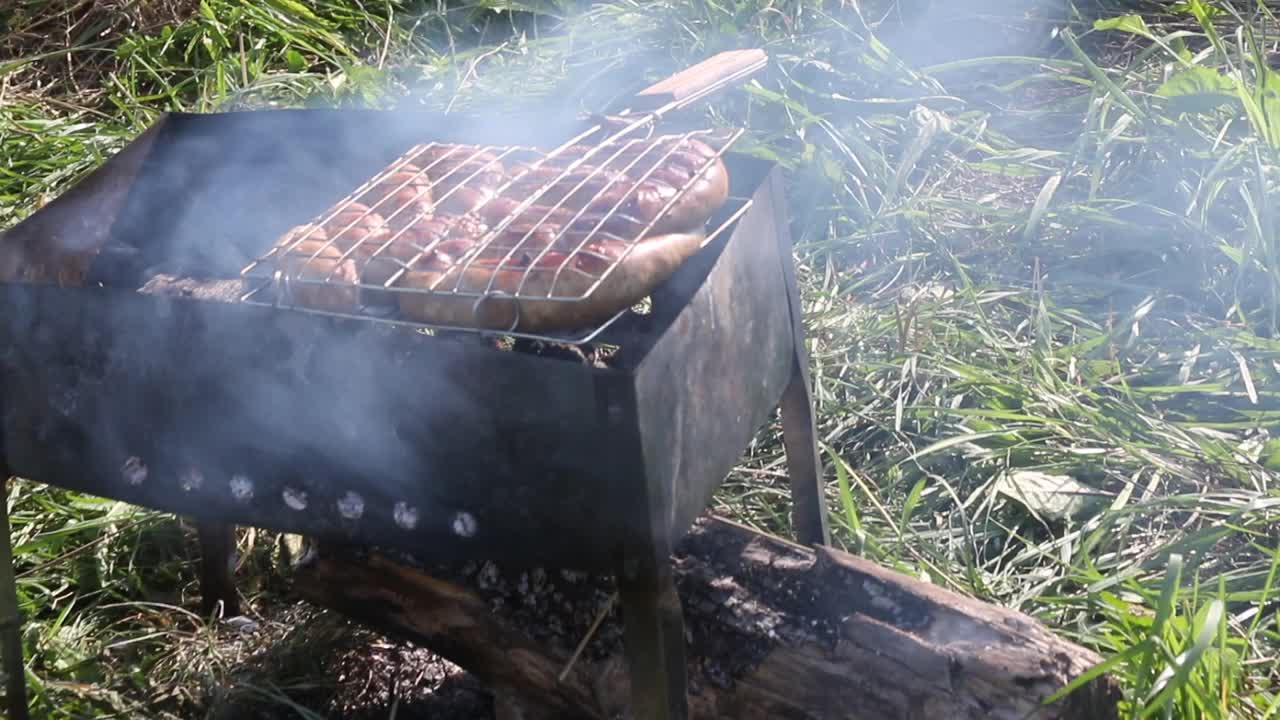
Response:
column 574, row 218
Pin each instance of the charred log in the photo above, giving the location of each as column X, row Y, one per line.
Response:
column 775, row 631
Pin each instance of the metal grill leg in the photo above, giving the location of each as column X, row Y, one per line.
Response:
column 800, row 440
column 217, row 568
column 653, row 631
column 11, row 624
column 799, row 430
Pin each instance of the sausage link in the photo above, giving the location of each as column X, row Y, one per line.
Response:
column 465, row 199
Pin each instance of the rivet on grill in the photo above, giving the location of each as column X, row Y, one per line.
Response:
column 350, row 506
column 296, row 499
column 134, row 470
column 464, row 524
column 405, row 516
column 241, row 487
column 191, row 479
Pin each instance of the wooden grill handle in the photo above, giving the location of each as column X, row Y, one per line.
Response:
column 699, row 80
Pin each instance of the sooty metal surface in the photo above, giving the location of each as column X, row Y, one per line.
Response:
column 353, row 429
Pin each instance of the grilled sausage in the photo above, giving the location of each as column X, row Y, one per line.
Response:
column 400, row 197
column 311, row 261
column 687, row 154
column 438, row 158
column 505, row 211
column 334, row 253
column 464, row 199
column 648, row 264
column 465, row 185
column 446, row 234
column 603, row 190
column 451, row 165
column 460, row 177
column 426, row 234
column 674, row 161
column 357, row 235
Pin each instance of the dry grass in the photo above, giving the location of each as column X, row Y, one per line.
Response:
column 67, row 46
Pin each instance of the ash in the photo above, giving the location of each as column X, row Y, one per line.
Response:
column 379, row 675
column 555, row 612
column 338, row 669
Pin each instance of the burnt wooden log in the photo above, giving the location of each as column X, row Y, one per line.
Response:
column 775, row 631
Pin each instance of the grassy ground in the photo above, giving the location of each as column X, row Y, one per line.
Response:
column 1041, row 265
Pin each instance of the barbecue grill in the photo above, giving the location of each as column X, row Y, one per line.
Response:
column 153, row 355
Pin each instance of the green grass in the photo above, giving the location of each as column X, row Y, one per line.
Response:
column 1041, row 289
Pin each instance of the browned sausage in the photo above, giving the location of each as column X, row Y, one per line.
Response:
column 601, row 190
column 363, row 231
column 399, row 196
column 443, row 235
column 427, row 234
column 648, row 264
column 403, row 205
column 689, row 153
column 441, row 155
column 309, row 263
column 506, row 212
column 449, row 165
column 673, row 162
column 463, row 199
column 599, row 194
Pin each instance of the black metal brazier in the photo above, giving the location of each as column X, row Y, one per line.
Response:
column 173, row 395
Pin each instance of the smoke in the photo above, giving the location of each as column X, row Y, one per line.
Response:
column 277, row 419
column 334, row 418
column 929, row 32
column 288, row 414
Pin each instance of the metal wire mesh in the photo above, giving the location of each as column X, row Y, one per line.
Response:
column 381, row 223
column 579, row 336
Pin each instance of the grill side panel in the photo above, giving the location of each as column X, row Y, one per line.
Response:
column 718, row 371
column 287, row 421
column 59, row 243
